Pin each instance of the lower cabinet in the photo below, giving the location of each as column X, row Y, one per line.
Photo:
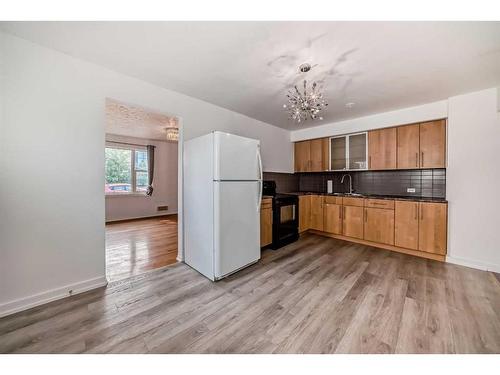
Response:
column 379, row 225
column 410, row 225
column 316, row 212
column 304, row 213
column 332, row 218
column 432, row 227
column 266, row 224
column 352, row 223
column 406, row 224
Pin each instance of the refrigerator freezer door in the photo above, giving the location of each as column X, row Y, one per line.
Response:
column 236, row 158
column 237, row 225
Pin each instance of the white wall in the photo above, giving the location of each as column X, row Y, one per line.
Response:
column 52, row 166
column 120, row 207
column 425, row 112
column 473, row 180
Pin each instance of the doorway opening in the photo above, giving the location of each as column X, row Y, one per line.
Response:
column 141, row 190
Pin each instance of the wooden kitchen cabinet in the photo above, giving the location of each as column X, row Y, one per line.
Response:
column 316, row 212
column 302, row 156
column 379, row 225
column 352, row 221
column 311, row 156
column 432, row 227
column 319, row 155
column 408, row 147
column 332, row 218
column 382, row 149
column 304, row 212
column 433, row 144
column 406, row 224
column 266, row 223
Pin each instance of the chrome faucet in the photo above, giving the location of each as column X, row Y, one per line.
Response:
column 350, row 182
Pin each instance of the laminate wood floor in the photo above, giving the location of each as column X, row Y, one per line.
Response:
column 317, row 295
column 136, row 246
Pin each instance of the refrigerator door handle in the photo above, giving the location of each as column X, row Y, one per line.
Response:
column 261, row 179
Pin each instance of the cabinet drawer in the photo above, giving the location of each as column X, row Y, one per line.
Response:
column 380, row 203
column 333, row 200
column 348, row 201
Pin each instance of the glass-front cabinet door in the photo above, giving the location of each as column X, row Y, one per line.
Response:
column 349, row 152
column 338, row 153
column 357, row 151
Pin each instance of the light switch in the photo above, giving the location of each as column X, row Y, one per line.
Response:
column 410, row 190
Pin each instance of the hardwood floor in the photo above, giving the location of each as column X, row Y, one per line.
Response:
column 317, row 295
column 136, row 246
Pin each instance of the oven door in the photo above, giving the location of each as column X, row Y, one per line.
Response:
column 285, row 223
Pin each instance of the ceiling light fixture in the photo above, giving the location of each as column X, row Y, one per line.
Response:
column 172, row 130
column 305, row 105
column 172, row 134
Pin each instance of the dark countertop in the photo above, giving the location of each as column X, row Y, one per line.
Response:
column 374, row 196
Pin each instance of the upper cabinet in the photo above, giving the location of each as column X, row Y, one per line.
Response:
column 422, row 145
column 382, row 149
column 348, row 152
column 433, row 144
column 402, row 147
column 408, row 150
column 302, row 155
column 311, row 156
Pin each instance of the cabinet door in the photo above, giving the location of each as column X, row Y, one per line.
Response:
column 382, row 149
column 266, row 226
column 379, row 225
column 433, row 144
column 408, row 149
column 338, row 153
column 304, row 213
column 317, row 212
column 406, row 224
column 302, row 156
column 318, row 162
column 352, row 223
column 357, row 151
column 432, row 227
column 332, row 218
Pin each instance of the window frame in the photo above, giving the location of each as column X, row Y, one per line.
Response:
column 133, row 170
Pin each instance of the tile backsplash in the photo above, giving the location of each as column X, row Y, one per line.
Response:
column 426, row 182
column 285, row 182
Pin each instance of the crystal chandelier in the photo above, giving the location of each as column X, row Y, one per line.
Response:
column 303, row 105
column 172, row 130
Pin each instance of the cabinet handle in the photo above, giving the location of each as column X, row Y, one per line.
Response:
column 416, row 211
column 366, row 214
column 369, row 162
column 343, row 212
column 421, row 214
column 416, row 159
column 340, row 213
column 422, row 163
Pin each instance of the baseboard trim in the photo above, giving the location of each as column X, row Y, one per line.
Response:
column 473, row 264
column 26, row 303
column 140, row 217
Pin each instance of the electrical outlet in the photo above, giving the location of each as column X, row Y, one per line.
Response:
column 410, row 190
column 162, row 208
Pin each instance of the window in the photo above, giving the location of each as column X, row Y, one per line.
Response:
column 126, row 170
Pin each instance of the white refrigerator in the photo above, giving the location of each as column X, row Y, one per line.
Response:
column 222, row 197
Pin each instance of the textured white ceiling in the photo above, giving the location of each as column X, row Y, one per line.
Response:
column 248, row 66
column 135, row 121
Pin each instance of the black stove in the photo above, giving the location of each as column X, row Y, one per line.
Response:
column 285, row 216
